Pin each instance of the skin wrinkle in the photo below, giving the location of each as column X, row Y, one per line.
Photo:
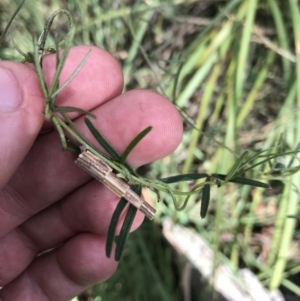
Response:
column 23, row 244
column 65, row 275
column 28, row 281
column 64, row 272
column 38, row 288
column 28, row 241
column 53, row 172
column 62, row 219
column 9, row 194
column 91, row 261
column 38, row 245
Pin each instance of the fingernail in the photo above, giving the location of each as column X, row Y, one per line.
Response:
column 10, row 97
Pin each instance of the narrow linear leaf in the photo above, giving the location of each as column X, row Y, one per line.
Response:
column 269, row 157
column 106, row 145
column 122, row 239
column 39, row 71
column 121, row 242
column 250, row 182
column 102, row 141
column 176, row 83
column 72, row 109
column 74, row 127
column 133, row 143
column 242, row 180
column 205, row 199
column 28, row 57
column 60, row 63
column 11, row 19
column 113, row 225
column 236, row 166
column 72, row 75
column 72, row 147
column 184, row 177
column 297, row 217
column 297, row 149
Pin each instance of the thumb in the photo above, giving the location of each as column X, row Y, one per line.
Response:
column 21, row 115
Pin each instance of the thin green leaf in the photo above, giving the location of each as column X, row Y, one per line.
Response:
column 226, row 10
column 72, row 109
column 59, row 68
column 74, row 127
column 55, row 81
column 258, row 155
column 39, row 71
column 11, row 19
column 133, row 144
column 106, row 145
column 236, row 166
column 297, row 149
column 72, row 75
column 269, row 157
column 102, row 141
column 28, row 57
column 113, row 225
column 176, row 82
column 122, row 239
column 126, row 226
column 205, row 199
column 297, row 217
column 72, row 147
column 242, row 180
column 184, row 177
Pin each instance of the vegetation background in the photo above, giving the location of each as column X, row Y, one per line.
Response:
column 232, row 68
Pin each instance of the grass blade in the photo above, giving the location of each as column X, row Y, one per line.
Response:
column 113, row 225
column 125, row 232
column 242, row 180
column 73, row 109
column 11, row 19
column 244, row 49
column 106, row 145
column 78, row 68
column 236, row 166
column 205, row 199
column 184, row 177
column 126, row 226
column 133, row 144
column 102, row 141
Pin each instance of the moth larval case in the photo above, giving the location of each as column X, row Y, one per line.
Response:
column 102, row 172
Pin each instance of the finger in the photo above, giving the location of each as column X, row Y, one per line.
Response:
column 87, row 210
column 90, row 207
column 21, row 116
column 49, row 167
column 64, row 272
column 99, row 80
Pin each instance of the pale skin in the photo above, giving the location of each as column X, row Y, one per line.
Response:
column 46, row 201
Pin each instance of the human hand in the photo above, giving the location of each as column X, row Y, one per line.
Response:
column 46, row 201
